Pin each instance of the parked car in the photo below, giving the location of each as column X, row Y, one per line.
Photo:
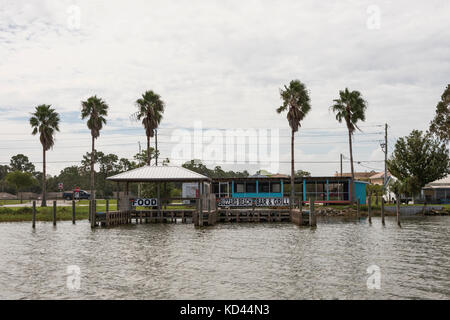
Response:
column 82, row 195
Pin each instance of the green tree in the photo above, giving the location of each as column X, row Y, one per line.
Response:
column 95, row 110
column 45, row 121
column 302, row 173
column 419, row 159
column 20, row 162
column 126, row 165
column 73, row 177
column 296, row 102
column 350, row 107
column 3, row 172
column 150, row 111
column 20, row 180
column 142, row 157
column 440, row 125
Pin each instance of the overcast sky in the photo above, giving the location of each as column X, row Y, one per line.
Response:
column 221, row 63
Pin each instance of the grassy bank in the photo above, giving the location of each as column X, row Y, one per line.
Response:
column 16, row 214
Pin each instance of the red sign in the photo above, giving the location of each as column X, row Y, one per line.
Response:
column 77, row 189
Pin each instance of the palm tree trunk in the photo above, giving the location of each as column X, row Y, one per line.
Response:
column 291, row 201
column 44, row 186
column 148, row 150
column 92, row 173
column 352, row 182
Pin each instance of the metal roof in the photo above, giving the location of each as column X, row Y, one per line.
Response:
column 444, row 182
column 163, row 173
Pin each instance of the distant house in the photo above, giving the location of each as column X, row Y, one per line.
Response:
column 437, row 191
column 378, row 178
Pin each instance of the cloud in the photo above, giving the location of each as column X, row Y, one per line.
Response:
column 223, row 63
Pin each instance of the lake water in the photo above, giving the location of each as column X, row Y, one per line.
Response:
column 227, row 261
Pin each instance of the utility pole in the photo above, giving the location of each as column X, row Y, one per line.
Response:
column 156, row 146
column 384, row 147
column 385, row 152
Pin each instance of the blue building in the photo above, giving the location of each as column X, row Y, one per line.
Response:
column 327, row 190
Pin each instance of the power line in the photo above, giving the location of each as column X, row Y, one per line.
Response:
column 193, row 143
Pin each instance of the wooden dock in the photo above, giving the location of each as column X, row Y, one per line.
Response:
column 205, row 212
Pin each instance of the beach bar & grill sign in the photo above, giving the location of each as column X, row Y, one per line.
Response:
column 257, row 202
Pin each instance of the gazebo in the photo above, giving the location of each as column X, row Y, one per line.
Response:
column 159, row 175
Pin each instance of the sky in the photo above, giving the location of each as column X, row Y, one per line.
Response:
column 219, row 66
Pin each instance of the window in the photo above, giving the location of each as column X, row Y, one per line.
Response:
column 239, row 188
column 250, row 187
column 311, row 187
column 216, row 188
column 263, row 187
column 275, row 187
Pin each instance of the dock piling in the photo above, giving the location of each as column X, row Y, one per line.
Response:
column 54, row 213
column 34, row 215
column 312, row 215
column 382, row 211
column 369, row 210
column 398, row 212
column 73, row 211
column 358, row 214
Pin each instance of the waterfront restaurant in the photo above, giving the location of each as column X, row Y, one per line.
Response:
column 326, row 190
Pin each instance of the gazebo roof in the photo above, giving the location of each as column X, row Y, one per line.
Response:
column 159, row 174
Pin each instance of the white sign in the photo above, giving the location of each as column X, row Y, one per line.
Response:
column 76, row 195
column 249, row 202
column 144, row 202
column 60, row 186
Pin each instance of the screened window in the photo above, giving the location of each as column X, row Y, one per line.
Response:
column 251, row 187
column 276, row 187
column 239, row 188
column 263, row 187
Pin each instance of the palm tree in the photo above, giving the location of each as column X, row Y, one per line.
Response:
column 150, row 110
column 45, row 120
column 297, row 102
column 96, row 110
column 350, row 107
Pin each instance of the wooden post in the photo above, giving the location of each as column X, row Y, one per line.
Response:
column 73, row 211
column 382, row 211
column 158, row 187
column 253, row 211
column 54, row 213
column 369, row 210
column 118, row 196
column 312, row 215
column 90, row 210
column 398, row 212
column 358, row 215
column 107, row 205
column 200, row 213
column 93, row 213
column 34, row 215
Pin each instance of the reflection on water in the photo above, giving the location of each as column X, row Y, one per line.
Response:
column 228, row 261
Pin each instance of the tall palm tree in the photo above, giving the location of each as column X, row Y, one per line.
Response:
column 96, row 110
column 296, row 100
column 150, row 110
column 350, row 107
column 45, row 120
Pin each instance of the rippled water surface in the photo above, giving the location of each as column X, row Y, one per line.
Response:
column 228, row 261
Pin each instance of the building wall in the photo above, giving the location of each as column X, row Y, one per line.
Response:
column 360, row 191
